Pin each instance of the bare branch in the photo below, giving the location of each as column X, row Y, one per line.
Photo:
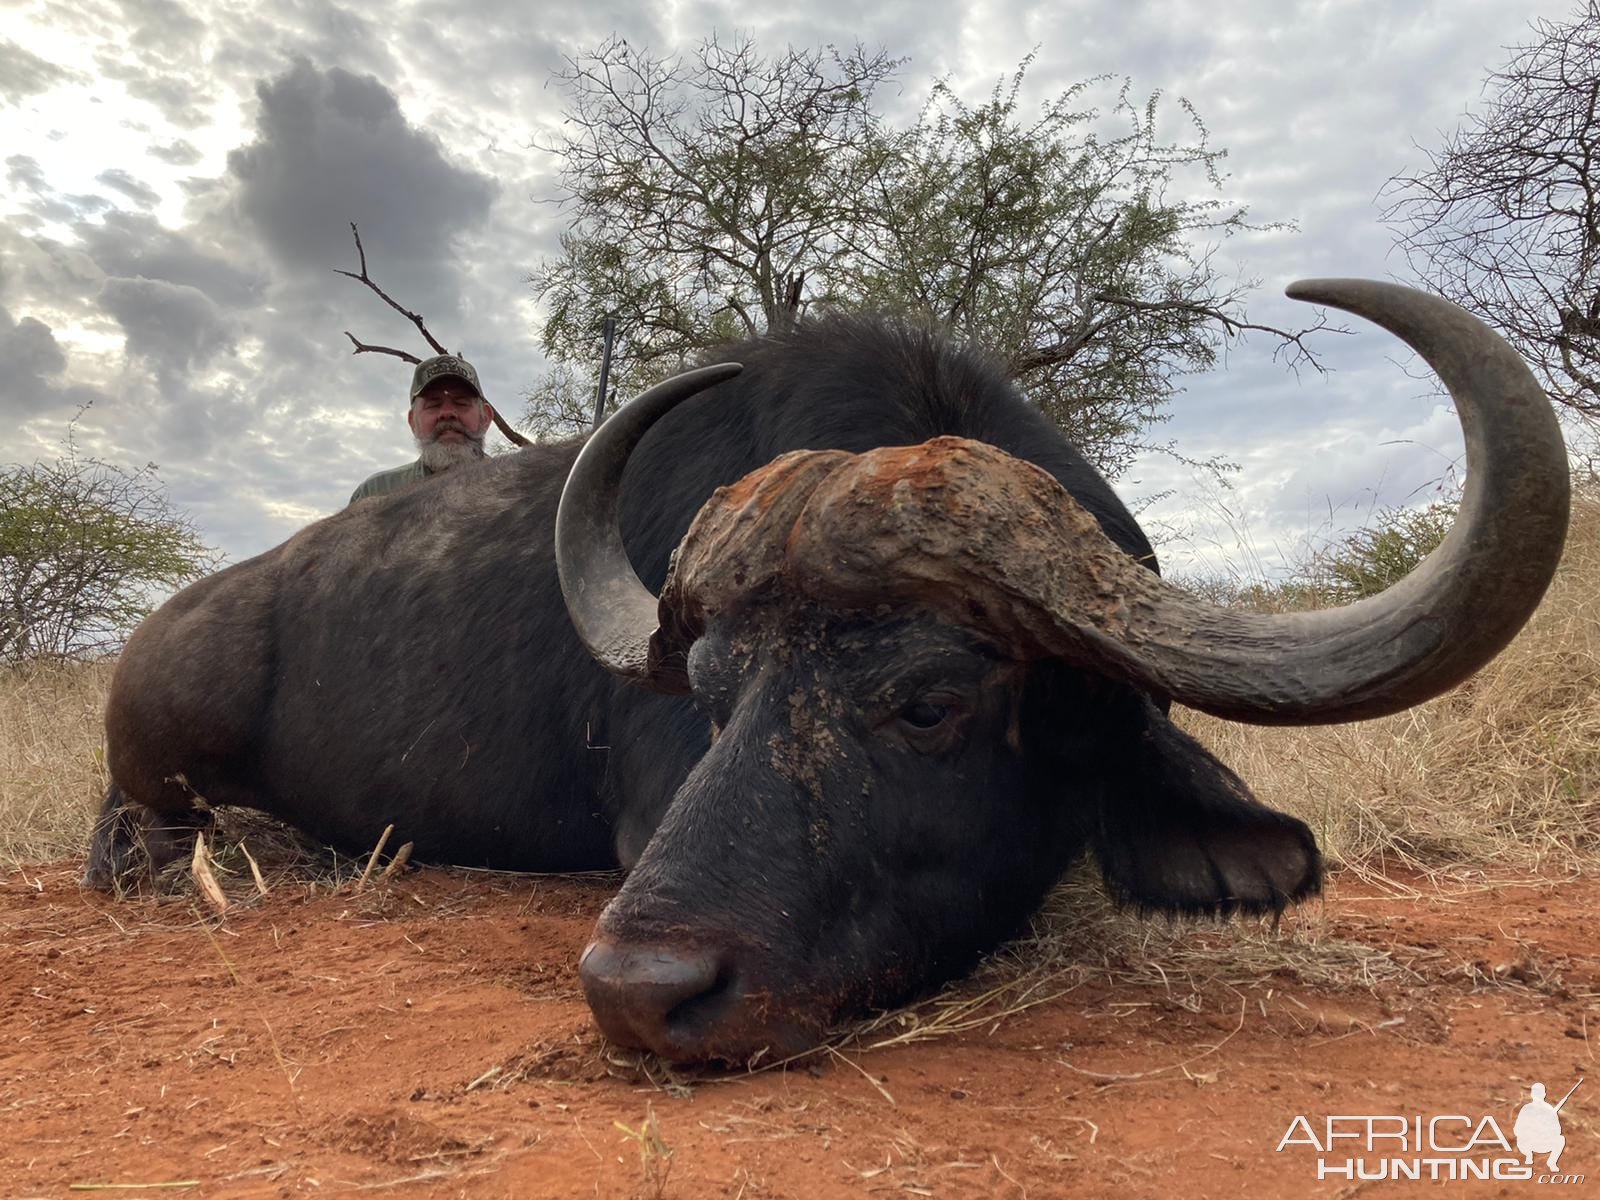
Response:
column 1292, row 342
column 362, row 348
column 363, row 278
column 511, row 435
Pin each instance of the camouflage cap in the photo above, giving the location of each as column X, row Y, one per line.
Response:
column 440, row 366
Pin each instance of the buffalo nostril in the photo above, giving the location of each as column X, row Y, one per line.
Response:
column 650, row 994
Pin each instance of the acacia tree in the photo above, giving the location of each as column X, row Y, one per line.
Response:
column 728, row 194
column 704, row 196
column 1506, row 219
column 1052, row 241
column 85, row 547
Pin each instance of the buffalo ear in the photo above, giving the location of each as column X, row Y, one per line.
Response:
column 1179, row 831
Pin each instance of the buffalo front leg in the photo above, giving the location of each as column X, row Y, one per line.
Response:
column 131, row 842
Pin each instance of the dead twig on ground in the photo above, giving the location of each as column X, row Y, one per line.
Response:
column 372, row 860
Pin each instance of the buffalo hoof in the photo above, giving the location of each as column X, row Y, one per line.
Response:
column 131, row 844
column 684, row 1003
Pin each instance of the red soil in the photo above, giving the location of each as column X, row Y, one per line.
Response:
column 428, row 1038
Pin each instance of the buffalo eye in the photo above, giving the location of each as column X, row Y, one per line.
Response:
column 924, row 715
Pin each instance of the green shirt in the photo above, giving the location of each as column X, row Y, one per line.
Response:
column 387, row 481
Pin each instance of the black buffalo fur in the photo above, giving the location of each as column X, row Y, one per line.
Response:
column 409, row 660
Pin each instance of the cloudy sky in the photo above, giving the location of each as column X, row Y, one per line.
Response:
column 179, row 179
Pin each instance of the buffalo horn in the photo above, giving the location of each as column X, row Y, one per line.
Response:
column 613, row 612
column 1432, row 629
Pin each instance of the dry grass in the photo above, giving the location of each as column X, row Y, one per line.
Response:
column 655, row 1156
column 1079, row 938
column 52, row 759
column 1503, row 770
column 250, row 854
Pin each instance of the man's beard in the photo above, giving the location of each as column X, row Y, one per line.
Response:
column 441, row 456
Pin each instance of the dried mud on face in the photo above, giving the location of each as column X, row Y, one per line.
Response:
column 428, row 1037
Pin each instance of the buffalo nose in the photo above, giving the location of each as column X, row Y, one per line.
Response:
column 654, row 996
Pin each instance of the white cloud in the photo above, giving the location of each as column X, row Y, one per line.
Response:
column 179, row 182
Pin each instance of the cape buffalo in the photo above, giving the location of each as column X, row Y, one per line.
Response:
column 911, row 657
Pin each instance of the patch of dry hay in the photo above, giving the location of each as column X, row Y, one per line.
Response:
column 280, row 854
column 1080, row 938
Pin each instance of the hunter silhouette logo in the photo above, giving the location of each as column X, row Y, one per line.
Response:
column 1538, row 1127
column 1445, row 1147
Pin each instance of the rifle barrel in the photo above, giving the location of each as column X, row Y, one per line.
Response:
column 1570, row 1090
column 605, row 371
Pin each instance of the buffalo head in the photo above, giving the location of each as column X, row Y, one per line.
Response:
column 928, row 677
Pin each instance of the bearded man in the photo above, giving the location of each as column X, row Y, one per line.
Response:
column 449, row 418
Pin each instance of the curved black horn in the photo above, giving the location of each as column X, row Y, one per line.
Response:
column 613, row 612
column 1428, row 632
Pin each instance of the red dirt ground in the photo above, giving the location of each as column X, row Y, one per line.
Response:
column 428, row 1038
